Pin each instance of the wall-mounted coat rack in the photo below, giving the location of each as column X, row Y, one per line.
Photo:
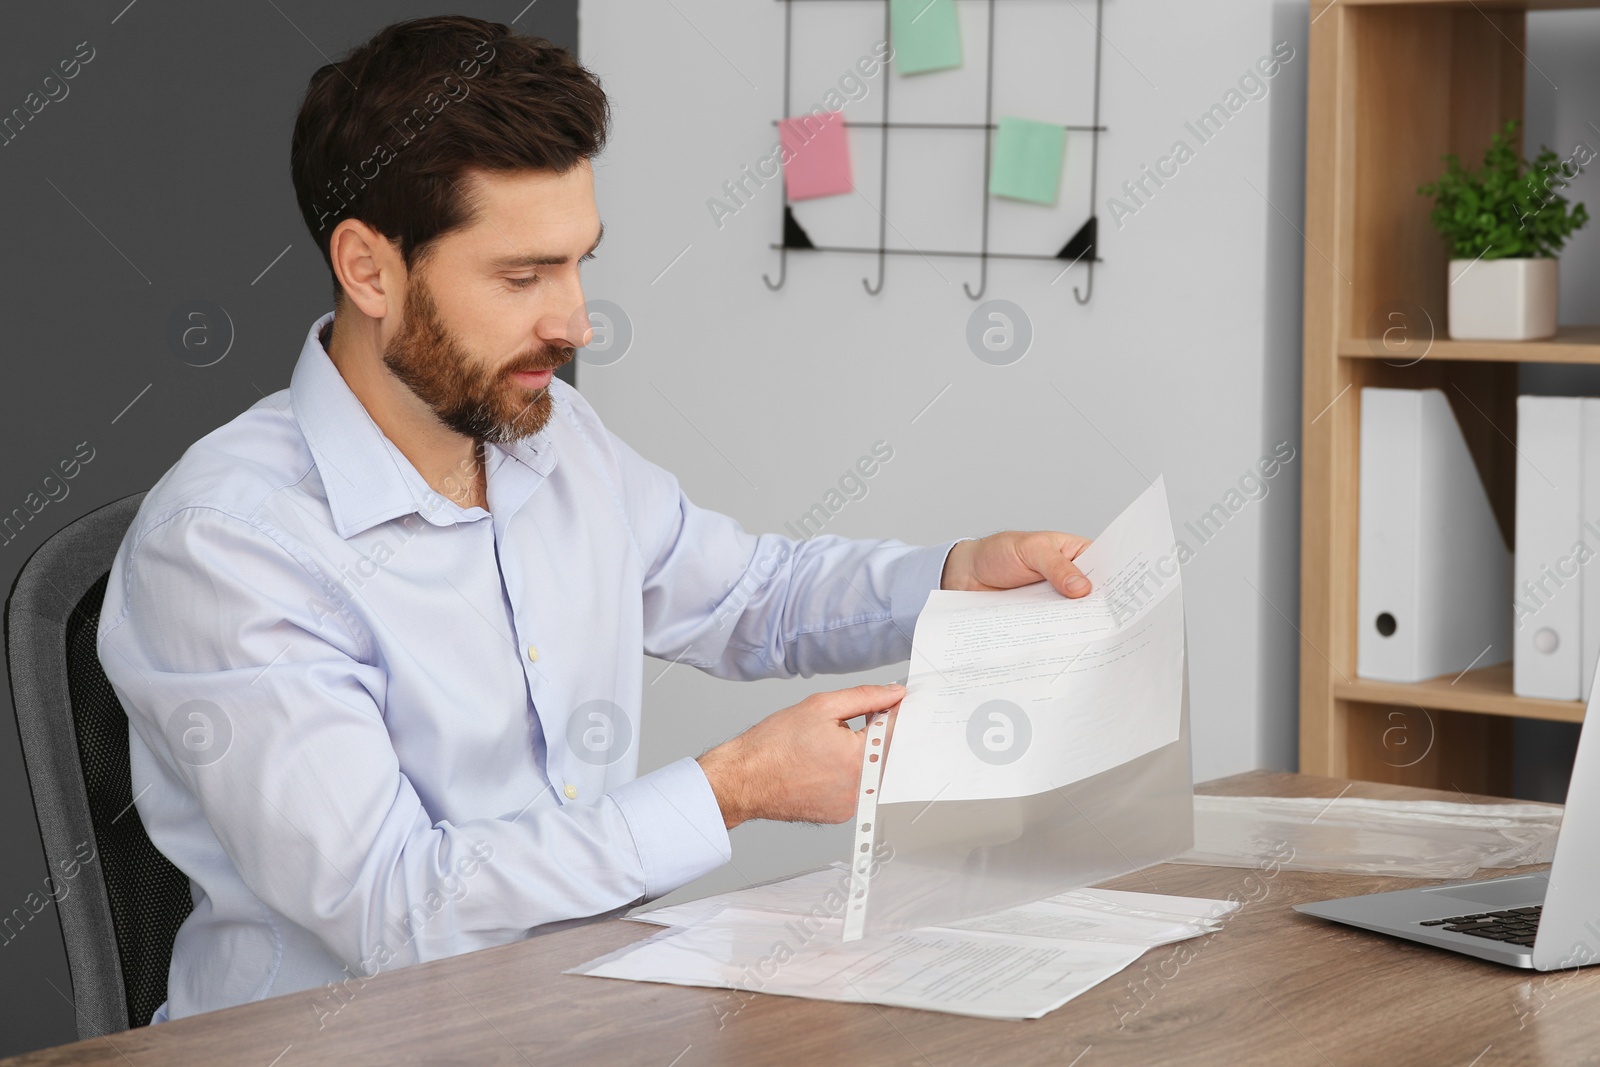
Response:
column 1081, row 247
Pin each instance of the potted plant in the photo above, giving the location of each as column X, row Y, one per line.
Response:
column 1505, row 225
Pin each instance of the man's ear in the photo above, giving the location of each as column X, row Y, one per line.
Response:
column 369, row 268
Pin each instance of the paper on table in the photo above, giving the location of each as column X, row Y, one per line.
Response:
column 780, row 937
column 959, row 971
column 1017, row 692
column 1079, row 915
column 1063, row 919
column 824, row 889
column 1158, row 905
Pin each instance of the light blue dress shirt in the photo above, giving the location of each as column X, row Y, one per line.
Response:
column 374, row 727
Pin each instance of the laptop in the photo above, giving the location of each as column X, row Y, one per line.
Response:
column 1545, row 921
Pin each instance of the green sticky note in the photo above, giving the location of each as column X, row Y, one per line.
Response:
column 925, row 35
column 1027, row 160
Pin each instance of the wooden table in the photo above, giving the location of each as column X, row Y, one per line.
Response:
column 1272, row 987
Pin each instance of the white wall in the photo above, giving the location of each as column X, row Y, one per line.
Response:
column 1185, row 363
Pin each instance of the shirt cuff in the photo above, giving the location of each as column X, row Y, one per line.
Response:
column 918, row 575
column 677, row 825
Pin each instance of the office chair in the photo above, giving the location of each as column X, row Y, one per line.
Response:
column 120, row 910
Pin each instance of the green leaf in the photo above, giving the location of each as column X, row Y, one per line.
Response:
column 1509, row 208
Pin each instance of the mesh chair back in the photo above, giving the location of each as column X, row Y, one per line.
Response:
column 119, row 901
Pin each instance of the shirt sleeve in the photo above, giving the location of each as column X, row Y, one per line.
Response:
column 265, row 715
column 745, row 606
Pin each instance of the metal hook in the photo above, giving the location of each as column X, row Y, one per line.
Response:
column 868, row 285
column 1083, row 298
column 983, row 279
column 783, row 271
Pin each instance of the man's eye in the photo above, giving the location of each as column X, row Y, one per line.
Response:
column 522, row 283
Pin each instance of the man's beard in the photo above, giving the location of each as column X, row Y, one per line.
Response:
column 485, row 405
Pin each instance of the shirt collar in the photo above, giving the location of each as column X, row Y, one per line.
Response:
column 367, row 479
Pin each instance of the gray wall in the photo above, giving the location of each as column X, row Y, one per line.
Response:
column 161, row 177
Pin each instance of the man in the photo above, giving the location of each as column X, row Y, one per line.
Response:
column 379, row 636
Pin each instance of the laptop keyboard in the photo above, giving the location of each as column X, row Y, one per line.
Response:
column 1515, row 927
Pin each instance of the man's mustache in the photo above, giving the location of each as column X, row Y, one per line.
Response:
column 551, row 359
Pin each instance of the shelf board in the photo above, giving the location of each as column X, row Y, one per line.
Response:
column 1486, row 691
column 1571, row 344
column 1523, row 5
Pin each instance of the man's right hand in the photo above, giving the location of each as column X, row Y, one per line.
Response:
column 801, row 764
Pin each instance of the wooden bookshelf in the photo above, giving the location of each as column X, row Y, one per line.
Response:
column 1486, row 691
column 1393, row 87
column 1509, row 5
column 1571, row 344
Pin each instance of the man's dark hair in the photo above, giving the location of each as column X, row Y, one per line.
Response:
column 386, row 133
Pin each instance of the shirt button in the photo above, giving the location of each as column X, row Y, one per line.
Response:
column 533, row 653
column 572, row 792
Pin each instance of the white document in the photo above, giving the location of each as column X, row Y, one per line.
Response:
column 1082, row 916
column 1018, row 692
column 1433, row 568
column 782, row 937
column 1098, row 915
column 964, row 972
column 1121, row 904
column 822, row 893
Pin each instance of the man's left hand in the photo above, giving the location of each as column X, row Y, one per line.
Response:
column 1017, row 557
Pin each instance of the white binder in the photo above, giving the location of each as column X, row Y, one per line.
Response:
column 1434, row 574
column 1554, row 498
column 1589, row 520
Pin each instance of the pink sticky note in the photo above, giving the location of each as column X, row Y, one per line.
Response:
column 818, row 155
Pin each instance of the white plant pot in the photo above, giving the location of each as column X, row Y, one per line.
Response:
column 1503, row 299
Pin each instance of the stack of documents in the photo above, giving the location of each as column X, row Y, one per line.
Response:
column 1409, row 838
column 784, row 938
